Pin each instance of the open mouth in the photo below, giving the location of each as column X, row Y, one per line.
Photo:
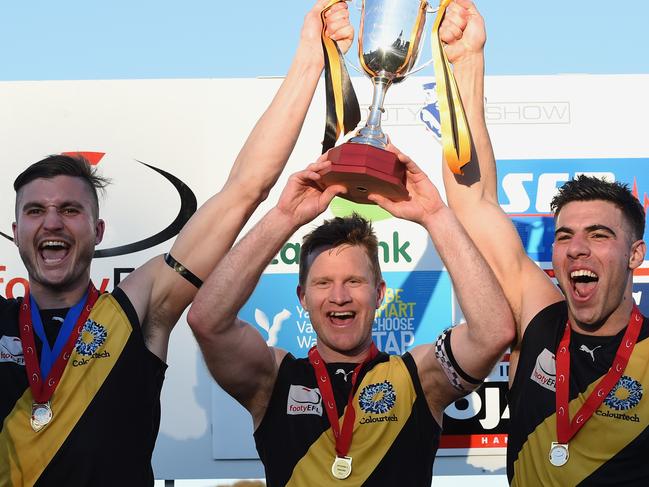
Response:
column 53, row 251
column 583, row 282
column 341, row 317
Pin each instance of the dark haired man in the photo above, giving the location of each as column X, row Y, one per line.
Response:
column 578, row 368
column 341, row 287
column 80, row 399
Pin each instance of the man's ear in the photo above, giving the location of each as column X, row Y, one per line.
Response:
column 14, row 225
column 100, row 227
column 300, row 296
column 380, row 294
column 636, row 256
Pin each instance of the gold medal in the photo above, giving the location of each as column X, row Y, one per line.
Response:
column 342, row 467
column 559, row 454
column 41, row 415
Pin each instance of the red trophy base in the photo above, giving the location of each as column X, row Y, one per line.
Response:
column 365, row 169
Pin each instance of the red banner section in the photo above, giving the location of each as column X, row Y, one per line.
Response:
column 473, row 441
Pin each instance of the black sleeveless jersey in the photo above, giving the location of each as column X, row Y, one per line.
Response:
column 106, row 408
column 613, row 446
column 394, row 440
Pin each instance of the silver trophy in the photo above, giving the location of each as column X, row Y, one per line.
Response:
column 388, row 47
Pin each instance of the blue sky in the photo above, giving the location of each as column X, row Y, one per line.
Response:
column 118, row 39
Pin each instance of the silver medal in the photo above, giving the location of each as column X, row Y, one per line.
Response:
column 559, row 454
column 41, row 415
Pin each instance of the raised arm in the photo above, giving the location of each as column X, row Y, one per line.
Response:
column 474, row 196
column 235, row 353
column 157, row 292
column 489, row 329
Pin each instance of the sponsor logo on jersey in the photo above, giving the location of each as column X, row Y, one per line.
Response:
column 625, row 395
column 11, row 350
column 303, row 400
column 545, row 370
column 378, row 399
column 92, row 336
column 590, row 352
column 344, row 373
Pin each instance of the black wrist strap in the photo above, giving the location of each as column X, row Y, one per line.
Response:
column 182, row 270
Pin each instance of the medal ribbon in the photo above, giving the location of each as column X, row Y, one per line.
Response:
column 42, row 383
column 48, row 355
column 567, row 429
column 343, row 111
column 342, row 436
column 456, row 138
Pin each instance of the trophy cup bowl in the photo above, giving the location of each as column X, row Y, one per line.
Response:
column 388, row 46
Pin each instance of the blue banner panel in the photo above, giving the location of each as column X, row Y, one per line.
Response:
column 416, row 308
column 526, row 188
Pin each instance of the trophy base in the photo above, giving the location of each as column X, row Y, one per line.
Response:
column 364, row 169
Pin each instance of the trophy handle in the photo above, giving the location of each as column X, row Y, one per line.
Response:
column 355, row 67
column 429, row 10
column 358, row 5
column 358, row 69
column 416, row 69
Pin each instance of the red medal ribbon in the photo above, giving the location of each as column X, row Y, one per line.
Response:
column 42, row 390
column 343, row 437
column 567, row 429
